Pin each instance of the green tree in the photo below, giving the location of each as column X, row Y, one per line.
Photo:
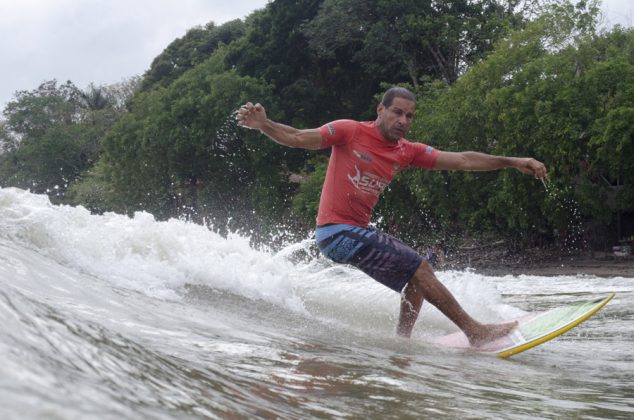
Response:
column 33, row 112
column 185, row 53
column 179, row 153
column 53, row 134
column 401, row 41
column 551, row 91
column 306, row 200
column 8, row 141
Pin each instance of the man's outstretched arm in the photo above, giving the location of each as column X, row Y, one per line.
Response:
column 474, row 161
column 254, row 116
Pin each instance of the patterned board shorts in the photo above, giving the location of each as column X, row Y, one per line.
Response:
column 379, row 255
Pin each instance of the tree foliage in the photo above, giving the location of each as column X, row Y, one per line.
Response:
column 52, row 134
column 401, row 41
column 558, row 91
column 187, row 52
column 178, row 153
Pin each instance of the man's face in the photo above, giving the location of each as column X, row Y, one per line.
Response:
column 394, row 122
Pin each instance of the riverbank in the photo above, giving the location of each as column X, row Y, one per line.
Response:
column 539, row 262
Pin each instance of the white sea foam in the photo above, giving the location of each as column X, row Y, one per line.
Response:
column 156, row 258
column 159, row 258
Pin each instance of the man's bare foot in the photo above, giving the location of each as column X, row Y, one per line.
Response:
column 485, row 333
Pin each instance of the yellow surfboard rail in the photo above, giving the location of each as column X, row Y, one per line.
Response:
column 510, row 352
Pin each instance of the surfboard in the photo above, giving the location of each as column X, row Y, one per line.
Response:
column 533, row 329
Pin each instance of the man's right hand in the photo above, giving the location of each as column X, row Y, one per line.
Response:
column 251, row 116
column 254, row 116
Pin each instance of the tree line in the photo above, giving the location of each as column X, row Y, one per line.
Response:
column 504, row 77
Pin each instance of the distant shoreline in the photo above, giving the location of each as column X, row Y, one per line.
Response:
column 574, row 267
column 584, row 263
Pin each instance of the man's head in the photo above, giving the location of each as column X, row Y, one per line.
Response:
column 395, row 113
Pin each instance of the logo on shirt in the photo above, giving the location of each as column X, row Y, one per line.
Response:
column 331, row 129
column 368, row 182
column 362, row 156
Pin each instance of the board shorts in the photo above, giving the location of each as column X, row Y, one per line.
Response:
column 379, row 255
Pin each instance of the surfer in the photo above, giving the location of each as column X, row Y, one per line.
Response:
column 365, row 157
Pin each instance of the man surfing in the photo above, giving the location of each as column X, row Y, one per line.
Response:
column 365, row 157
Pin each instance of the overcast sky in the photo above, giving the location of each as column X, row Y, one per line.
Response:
column 99, row 41
column 106, row 41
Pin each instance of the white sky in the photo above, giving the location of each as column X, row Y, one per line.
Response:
column 98, row 41
column 106, row 41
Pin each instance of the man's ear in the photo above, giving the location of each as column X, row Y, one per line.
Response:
column 380, row 108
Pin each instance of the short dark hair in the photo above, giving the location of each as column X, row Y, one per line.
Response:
column 396, row 92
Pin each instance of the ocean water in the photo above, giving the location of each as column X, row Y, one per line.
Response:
column 111, row 317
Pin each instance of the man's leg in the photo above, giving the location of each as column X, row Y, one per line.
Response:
column 411, row 302
column 425, row 286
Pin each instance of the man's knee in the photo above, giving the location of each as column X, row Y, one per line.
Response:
column 424, row 270
column 422, row 273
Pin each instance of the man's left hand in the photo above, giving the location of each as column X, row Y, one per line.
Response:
column 533, row 167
